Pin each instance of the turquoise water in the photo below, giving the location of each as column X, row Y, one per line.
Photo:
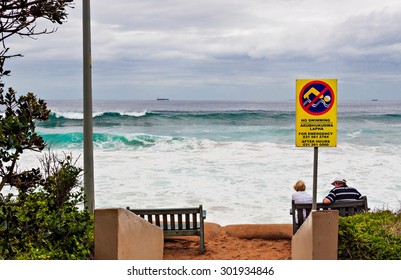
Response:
column 147, row 123
column 238, row 159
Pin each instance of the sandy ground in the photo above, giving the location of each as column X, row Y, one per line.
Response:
column 234, row 242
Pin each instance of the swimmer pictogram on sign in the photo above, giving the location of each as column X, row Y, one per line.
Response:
column 316, row 98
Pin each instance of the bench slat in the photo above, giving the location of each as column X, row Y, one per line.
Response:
column 342, row 211
column 187, row 221
column 165, row 221
column 165, row 211
column 194, row 220
column 172, row 221
column 180, row 222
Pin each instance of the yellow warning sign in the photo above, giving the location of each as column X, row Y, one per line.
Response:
column 316, row 113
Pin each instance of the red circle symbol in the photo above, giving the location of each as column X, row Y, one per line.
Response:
column 316, row 98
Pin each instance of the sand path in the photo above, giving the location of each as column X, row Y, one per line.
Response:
column 234, row 242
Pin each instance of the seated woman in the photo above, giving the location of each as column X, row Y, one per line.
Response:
column 300, row 195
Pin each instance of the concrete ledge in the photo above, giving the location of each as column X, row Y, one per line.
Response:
column 317, row 238
column 260, row 231
column 122, row 235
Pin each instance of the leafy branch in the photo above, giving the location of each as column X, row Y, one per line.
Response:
column 17, row 134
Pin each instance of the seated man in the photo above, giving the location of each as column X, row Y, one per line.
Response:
column 341, row 192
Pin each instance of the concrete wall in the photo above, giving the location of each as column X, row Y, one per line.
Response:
column 317, row 238
column 122, row 235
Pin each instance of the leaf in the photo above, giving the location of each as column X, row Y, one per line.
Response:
column 3, row 226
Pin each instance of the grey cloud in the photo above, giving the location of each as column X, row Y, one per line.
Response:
column 173, row 43
column 373, row 36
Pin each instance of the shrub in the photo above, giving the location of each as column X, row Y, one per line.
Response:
column 49, row 222
column 370, row 236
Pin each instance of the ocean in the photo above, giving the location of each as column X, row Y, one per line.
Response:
column 237, row 159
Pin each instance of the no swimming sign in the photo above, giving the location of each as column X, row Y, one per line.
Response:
column 316, row 113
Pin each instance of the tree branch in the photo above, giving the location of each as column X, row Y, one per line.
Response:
column 19, row 17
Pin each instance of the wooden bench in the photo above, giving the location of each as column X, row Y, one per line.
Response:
column 177, row 221
column 345, row 208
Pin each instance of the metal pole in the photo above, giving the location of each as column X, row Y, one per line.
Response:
column 87, row 99
column 315, row 164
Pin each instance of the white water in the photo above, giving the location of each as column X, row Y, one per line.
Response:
column 240, row 182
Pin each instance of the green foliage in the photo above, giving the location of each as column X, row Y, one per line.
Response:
column 62, row 177
column 46, row 219
column 48, row 223
column 17, row 134
column 370, row 236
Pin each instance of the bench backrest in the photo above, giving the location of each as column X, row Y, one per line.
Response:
column 180, row 220
column 345, row 208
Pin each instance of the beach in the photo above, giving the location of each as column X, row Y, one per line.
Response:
column 234, row 242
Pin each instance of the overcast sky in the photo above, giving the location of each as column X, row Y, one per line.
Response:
column 220, row 49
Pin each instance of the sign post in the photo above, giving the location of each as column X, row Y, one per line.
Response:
column 87, row 99
column 316, row 118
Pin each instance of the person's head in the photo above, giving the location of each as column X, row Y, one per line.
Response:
column 338, row 182
column 300, row 186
